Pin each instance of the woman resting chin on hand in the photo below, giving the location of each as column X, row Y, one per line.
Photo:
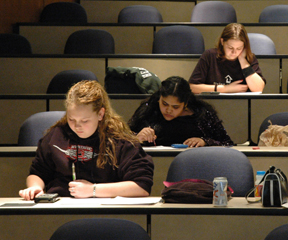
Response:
column 231, row 67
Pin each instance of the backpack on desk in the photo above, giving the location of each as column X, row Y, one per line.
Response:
column 190, row 191
column 131, row 80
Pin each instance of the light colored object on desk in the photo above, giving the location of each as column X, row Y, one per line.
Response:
column 73, row 171
column 242, row 93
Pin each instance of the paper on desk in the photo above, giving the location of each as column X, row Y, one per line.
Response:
column 132, row 200
column 242, row 93
column 285, row 205
column 83, row 201
column 109, row 201
column 158, row 148
column 19, row 204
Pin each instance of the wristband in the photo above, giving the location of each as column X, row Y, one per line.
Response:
column 248, row 71
column 94, row 190
column 215, row 87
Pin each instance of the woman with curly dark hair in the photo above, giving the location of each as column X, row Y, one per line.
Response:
column 174, row 115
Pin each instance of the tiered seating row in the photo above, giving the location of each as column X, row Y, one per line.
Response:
column 36, row 72
column 137, row 38
column 172, row 11
column 31, row 75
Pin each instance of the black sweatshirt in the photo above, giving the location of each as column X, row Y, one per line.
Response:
column 61, row 146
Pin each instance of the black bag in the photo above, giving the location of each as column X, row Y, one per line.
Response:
column 274, row 191
column 190, row 191
column 131, row 80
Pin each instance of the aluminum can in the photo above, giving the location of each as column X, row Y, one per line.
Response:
column 220, row 191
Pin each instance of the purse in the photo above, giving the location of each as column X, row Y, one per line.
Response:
column 274, row 190
column 190, row 191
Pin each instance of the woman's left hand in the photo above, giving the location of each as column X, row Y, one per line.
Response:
column 81, row 188
column 195, row 142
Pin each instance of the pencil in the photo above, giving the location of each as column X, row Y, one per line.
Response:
column 154, row 139
column 73, row 172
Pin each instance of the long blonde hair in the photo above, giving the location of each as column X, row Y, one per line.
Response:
column 235, row 31
column 110, row 128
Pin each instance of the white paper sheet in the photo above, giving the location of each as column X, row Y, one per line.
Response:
column 132, row 201
column 242, row 93
column 109, row 201
column 158, row 148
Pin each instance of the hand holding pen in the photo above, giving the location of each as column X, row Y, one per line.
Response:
column 147, row 134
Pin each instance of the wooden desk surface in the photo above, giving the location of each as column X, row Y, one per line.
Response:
column 66, row 206
column 247, row 150
column 160, row 151
column 18, row 151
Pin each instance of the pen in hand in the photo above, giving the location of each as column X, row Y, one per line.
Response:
column 73, row 172
column 154, row 138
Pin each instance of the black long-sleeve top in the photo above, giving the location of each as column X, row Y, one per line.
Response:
column 61, row 146
column 209, row 128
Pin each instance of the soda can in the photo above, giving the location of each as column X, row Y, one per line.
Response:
column 220, row 191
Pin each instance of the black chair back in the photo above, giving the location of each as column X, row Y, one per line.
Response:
column 11, row 43
column 63, row 12
column 178, row 40
column 90, row 41
column 100, row 229
column 279, row 233
column 64, row 80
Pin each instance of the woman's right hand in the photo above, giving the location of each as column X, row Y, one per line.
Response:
column 147, row 134
column 31, row 192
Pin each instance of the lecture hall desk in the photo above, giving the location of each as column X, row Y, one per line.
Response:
column 167, row 221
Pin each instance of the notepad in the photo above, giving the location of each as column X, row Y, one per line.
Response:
column 18, row 204
column 159, row 148
column 132, row 200
column 242, row 93
column 110, row 201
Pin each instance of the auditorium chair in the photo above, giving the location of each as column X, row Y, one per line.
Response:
column 274, row 13
column 279, row 233
column 63, row 12
column 90, row 41
column 34, row 127
column 11, row 43
column 100, row 229
column 261, row 44
column 210, row 162
column 139, row 14
column 63, row 80
column 214, row 12
column 178, row 40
